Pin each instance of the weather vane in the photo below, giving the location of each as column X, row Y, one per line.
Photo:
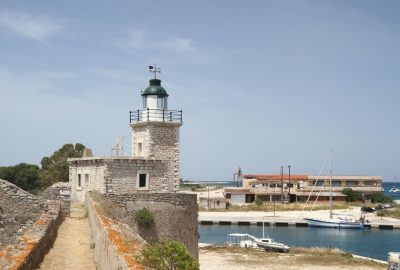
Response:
column 154, row 69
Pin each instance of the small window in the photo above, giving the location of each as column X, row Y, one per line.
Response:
column 86, row 180
column 142, row 180
column 144, row 102
column 79, row 180
column 140, row 149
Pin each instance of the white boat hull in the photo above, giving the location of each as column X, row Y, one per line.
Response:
column 334, row 224
column 273, row 246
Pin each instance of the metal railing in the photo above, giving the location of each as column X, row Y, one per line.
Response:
column 155, row 115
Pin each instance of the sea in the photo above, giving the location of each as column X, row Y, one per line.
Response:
column 366, row 242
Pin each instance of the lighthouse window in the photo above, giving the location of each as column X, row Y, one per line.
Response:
column 161, row 103
column 144, row 102
column 140, row 149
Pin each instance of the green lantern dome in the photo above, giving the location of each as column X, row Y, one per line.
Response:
column 155, row 88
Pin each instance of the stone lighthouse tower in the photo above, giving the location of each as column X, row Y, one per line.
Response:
column 155, row 131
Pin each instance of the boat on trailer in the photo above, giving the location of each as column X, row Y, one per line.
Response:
column 249, row 241
column 271, row 245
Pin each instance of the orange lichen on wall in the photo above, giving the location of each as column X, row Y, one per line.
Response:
column 16, row 255
column 43, row 220
column 18, row 258
column 124, row 247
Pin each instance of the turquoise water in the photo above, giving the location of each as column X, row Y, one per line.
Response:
column 370, row 243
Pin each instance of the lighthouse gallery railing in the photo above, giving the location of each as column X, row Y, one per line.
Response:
column 156, row 115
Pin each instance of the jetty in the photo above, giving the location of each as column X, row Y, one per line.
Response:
column 281, row 219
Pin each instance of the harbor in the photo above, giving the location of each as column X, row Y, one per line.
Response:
column 375, row 240
column 375, row 244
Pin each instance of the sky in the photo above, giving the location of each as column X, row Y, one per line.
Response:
column 262, row 84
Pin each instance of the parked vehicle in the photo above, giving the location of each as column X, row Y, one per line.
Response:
column 386, row 205
column 367, row 209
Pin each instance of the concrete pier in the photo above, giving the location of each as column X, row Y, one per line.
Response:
column 252, row 219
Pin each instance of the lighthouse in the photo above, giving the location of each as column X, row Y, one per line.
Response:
column 155, row 129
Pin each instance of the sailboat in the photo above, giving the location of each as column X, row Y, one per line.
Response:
column 339, row 221
column 395, row 189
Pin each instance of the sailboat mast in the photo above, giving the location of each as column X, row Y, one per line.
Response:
column 330, row 186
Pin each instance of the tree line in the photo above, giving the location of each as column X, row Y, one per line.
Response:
column 33, row 178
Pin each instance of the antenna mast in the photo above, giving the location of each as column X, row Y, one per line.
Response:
column 118, row 148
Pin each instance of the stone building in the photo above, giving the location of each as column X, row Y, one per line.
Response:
column 154, row 163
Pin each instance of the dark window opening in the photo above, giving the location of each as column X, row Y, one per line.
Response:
column 79, row 180
column 142, row 180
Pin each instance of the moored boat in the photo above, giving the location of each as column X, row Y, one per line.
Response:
column 394, row 188
column 330, row 223
column 339, row 222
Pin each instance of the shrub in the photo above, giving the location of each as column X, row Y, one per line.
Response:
column 352, row 195
column 380, row 198
column 144, row 218
column 258, row 201
column 167, row 255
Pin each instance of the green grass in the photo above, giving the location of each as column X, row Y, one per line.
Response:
column 393, row 212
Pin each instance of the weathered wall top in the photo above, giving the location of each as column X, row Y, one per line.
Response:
column 18, row 210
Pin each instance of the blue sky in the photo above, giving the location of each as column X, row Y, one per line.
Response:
column 261, row 83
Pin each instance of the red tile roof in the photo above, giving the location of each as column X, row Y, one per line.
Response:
column 275, row 177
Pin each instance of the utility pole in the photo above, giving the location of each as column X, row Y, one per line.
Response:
column 208, row 197
column 282, row 184
column 273, row 198
column 290, row 184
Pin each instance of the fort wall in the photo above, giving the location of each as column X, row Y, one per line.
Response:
column 115, row 244
column 31, row 247
column 175, row 215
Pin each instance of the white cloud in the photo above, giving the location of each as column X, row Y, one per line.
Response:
column 37, row 27
column 138, row 40
column 178, row 45
column 32, row 81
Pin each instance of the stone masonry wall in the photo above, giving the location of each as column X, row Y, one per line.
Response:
column 18, row 210
column 94, row 168
column 31, row 247
column 61, row 192
column 115, row 244
column 116, row 175
column 160, row 140
column 175, row 215
column 121, row 175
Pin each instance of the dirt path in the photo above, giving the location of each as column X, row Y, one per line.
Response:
column 71, row 249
